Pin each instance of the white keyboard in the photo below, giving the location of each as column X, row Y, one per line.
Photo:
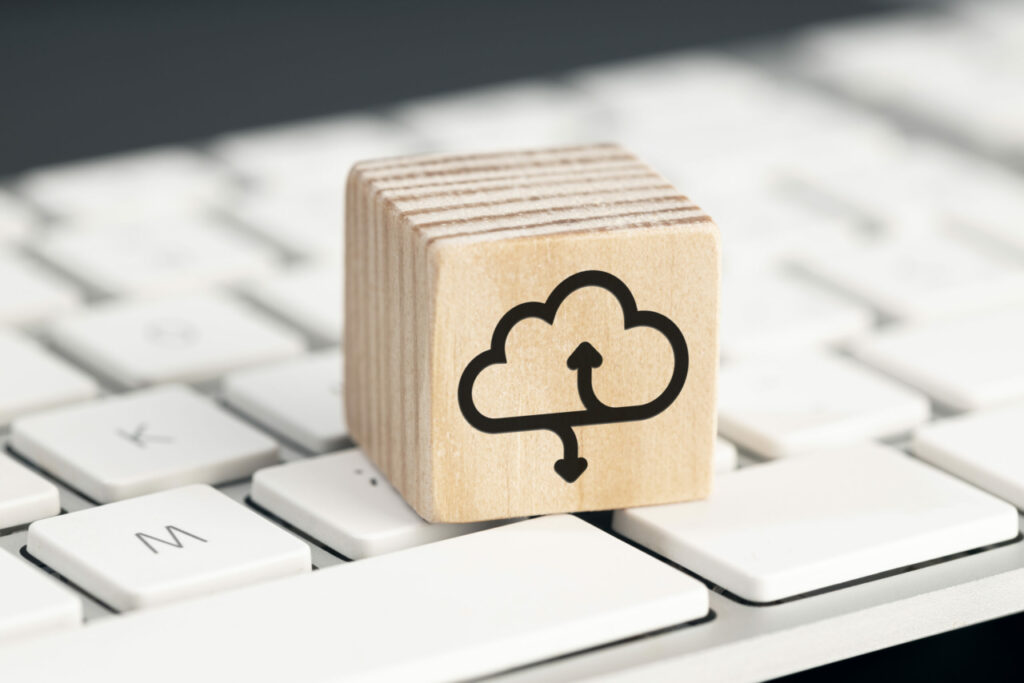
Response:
column 179, row 497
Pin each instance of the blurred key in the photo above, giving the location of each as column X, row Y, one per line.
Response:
column 154, row 257
column 24, row 495
column 786, row 528
column 34, row 379
column 343, row 501
column 965, row 363
column 983, row 448
column 706, row 117
column 300, row 399
column 29, row 293
column 31, row 602
column 310, row 155
column 520, row 114
column 799, row 404
column 725, row 458
column 305, row 223
column 921, row 278
column 928, row 66
column 776, row 312
column 768, row 228
column 16, row 219
column 151, row 182
column 309, row 297
column 127, row 445
column 185, row 338
column 165, row 547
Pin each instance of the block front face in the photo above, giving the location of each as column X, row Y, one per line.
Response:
column 616, row 361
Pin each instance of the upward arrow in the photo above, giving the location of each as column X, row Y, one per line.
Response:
column 583, row 360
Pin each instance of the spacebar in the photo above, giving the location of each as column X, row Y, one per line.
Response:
column 469, row 606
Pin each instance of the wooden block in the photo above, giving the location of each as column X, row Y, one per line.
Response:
column 530, row 332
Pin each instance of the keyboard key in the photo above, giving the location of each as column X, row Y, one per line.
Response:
column 308, row 224
column 768, row 228
column 309, row 297
column 154, row 257
column 31, row 602
column 313, row 154
column 747, row 125
column 521, row 114
column 185, row 338
column 964, row 363
column 24, row 495
column 30, row 294
column 982, row 448
column 726, row 458
column 300, row 399
column 921, row 278
column 894, row 63
column 127, row 445
column 152, row 182
column 786, row 528
column 166, row 546
column 16, row 219
column 343, row 501
column 34, row 379
column 797, row 404
column 459, row 609
column 774, row 312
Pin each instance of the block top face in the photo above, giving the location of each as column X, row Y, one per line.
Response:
column 558, row 311
column 531, row 193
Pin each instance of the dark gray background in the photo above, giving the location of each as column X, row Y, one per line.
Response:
column 89, row 77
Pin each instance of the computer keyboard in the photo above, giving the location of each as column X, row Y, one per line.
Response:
column 177, row 460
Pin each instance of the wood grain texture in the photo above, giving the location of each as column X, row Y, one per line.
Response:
column 440, row 247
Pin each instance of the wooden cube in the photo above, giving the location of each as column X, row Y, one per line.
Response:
column 530, row 332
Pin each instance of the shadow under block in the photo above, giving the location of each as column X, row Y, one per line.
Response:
column 530, row 332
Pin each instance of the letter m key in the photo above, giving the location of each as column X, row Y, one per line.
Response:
column 173, row 533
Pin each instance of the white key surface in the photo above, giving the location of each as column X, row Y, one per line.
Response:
column 166, row 546
column 965, row 363
column 343, row 501
column 921, row 278
column 306, row 223
column 300, row 399
column 523, row 114
column 154, row 257
column 185, row 338
column 16, row 219
column 796, row 404
column 24, row 495
column 31, row 602
column 151, row 182
column 376, row 619
column 789, row 527
column 313, row 154
column 33, row 378
column 29, row 293
column 726, row 457
column 310, row 297
column 983, row 448
column 775, row 312
column 150, row 440
column 769, row 228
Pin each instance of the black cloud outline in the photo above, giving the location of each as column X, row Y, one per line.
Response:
column 561, row 423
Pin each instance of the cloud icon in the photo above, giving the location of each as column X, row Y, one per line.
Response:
column 583, row 360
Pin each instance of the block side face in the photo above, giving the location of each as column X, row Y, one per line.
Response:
column 355, row 314
column 386, row 340
column 651, row 458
